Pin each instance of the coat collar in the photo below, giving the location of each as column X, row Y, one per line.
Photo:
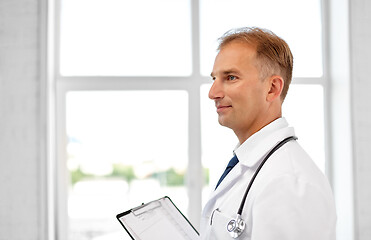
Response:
column 256, row 146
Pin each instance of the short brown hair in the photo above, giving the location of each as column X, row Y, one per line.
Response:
column 272, row 52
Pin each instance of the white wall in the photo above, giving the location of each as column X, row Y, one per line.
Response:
column 360, row 55
column 20, row 121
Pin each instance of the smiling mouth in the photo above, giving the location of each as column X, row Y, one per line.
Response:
column 222, row 108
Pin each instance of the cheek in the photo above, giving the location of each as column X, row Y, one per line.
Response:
column 251, row 100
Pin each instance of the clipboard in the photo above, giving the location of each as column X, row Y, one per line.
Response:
column 157, row 220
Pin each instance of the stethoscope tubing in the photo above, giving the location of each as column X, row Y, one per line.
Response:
column 275, row 148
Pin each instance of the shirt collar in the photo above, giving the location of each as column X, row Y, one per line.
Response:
column 257, row 145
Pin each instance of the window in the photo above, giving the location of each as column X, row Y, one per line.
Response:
column 123, row 38
column 134, row 120
column 297, row 22
column 120, row 145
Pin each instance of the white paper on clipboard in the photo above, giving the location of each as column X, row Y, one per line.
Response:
column 157, row 220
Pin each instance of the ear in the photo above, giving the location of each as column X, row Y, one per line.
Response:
column 276, row 84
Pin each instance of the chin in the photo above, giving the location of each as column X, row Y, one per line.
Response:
column 224, row 122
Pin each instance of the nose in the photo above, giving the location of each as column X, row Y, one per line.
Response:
column 216, row 90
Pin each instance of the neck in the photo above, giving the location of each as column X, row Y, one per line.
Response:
column 244, row 134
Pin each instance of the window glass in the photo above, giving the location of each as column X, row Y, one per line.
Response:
column 115, row 37
column 217, row 142
column 297, row 22
column 303, row 109
column 124, row 148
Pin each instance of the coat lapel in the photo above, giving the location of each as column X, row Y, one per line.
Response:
column 222, row 189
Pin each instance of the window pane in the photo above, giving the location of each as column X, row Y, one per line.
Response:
column 115, row 37
column 303, row 109
column 217, row 142
column 297, row 22
column 124, row 148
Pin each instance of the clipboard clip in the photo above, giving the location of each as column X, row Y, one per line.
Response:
column 146, row 208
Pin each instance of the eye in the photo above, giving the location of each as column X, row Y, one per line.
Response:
column 231, row 77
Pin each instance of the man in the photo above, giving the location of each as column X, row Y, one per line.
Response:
column 290, row 198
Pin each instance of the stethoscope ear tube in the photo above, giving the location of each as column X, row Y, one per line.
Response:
column 236, row 226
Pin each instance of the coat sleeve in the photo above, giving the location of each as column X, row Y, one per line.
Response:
column 288, row 208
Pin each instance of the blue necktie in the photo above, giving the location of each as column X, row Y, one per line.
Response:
column 231, row 164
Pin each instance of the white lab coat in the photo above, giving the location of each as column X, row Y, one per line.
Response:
column 290, row 198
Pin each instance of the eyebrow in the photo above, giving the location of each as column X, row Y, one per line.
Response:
column 227, row 72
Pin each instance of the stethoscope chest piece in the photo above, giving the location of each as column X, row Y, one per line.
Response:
column 236, row 226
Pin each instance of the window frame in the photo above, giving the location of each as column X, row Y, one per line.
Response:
column 191, row 84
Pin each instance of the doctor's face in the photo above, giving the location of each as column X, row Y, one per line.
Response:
column 238, row 92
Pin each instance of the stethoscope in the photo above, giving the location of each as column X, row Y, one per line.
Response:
column 236, row 226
